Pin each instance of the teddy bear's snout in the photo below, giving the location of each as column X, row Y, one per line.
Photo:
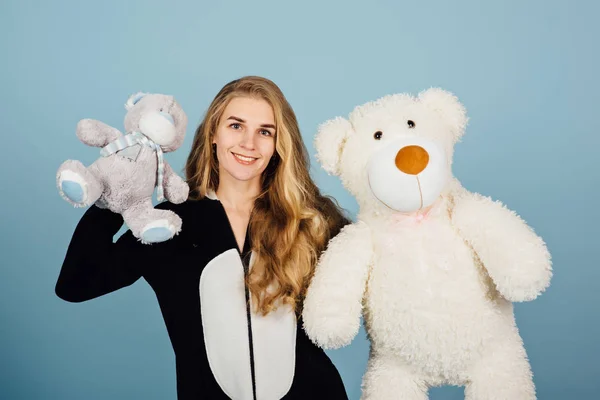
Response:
column 158, row 126
column 167, row 116
column 412, row 159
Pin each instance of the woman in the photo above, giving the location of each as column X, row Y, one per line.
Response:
column 230, row 285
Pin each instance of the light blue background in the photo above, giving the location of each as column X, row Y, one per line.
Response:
column 527, row 71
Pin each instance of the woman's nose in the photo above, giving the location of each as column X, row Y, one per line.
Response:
column 248, row 140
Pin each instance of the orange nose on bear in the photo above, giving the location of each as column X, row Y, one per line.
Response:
column 412, row 159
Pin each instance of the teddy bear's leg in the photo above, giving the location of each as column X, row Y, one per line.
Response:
column 503, row 374
column 151, row 225
column 77, row 185
column 389, row 378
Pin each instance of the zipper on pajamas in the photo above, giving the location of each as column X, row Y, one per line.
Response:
column 248, row 316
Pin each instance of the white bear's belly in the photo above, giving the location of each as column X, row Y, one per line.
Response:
column 428, row 301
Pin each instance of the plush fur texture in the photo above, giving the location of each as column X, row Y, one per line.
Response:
column 125, row 181
column 434, row 281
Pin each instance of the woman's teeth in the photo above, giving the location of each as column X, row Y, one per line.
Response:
column 243, row 158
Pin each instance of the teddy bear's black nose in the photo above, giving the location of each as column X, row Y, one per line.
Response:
column 412, row 159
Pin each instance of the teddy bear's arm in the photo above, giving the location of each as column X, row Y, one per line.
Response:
column 96, row 133
column 515, row 257
column 333, row 303
column 176, row 189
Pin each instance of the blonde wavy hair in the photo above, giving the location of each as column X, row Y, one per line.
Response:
column 291, row 222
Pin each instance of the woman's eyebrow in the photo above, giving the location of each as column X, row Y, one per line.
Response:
column 238, row 119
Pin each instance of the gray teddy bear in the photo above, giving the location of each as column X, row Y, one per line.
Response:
column 123, row 179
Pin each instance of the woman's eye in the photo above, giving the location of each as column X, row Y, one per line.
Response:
column 235, row 126
column 265, row 132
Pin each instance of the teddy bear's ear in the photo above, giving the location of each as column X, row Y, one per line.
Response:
column 448, row 107
column 133, row 99
column 329, row 143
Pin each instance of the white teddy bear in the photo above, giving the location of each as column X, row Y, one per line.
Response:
column 433, row 267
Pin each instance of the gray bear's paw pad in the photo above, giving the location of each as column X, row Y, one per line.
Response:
column 73, row 187
column 157, row 231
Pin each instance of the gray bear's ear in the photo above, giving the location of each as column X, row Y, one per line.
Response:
column 448, row 107
column 133, row 99
column 330, row 141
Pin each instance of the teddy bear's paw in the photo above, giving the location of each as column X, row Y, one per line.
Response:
column 73, row 187
column 157, row 231
column 331, row 331
column 516, row 290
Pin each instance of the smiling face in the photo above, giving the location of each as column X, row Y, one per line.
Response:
column 245, row 139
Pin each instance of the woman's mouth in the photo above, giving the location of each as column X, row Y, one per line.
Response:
column 244, row 159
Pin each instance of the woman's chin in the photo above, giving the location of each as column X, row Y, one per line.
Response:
column 244, row 173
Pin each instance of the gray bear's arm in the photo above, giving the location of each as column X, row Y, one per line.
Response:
column 96, row 133
column 176, row 190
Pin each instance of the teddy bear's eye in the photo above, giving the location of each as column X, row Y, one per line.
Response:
column 378, row 135
column 411, row 123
